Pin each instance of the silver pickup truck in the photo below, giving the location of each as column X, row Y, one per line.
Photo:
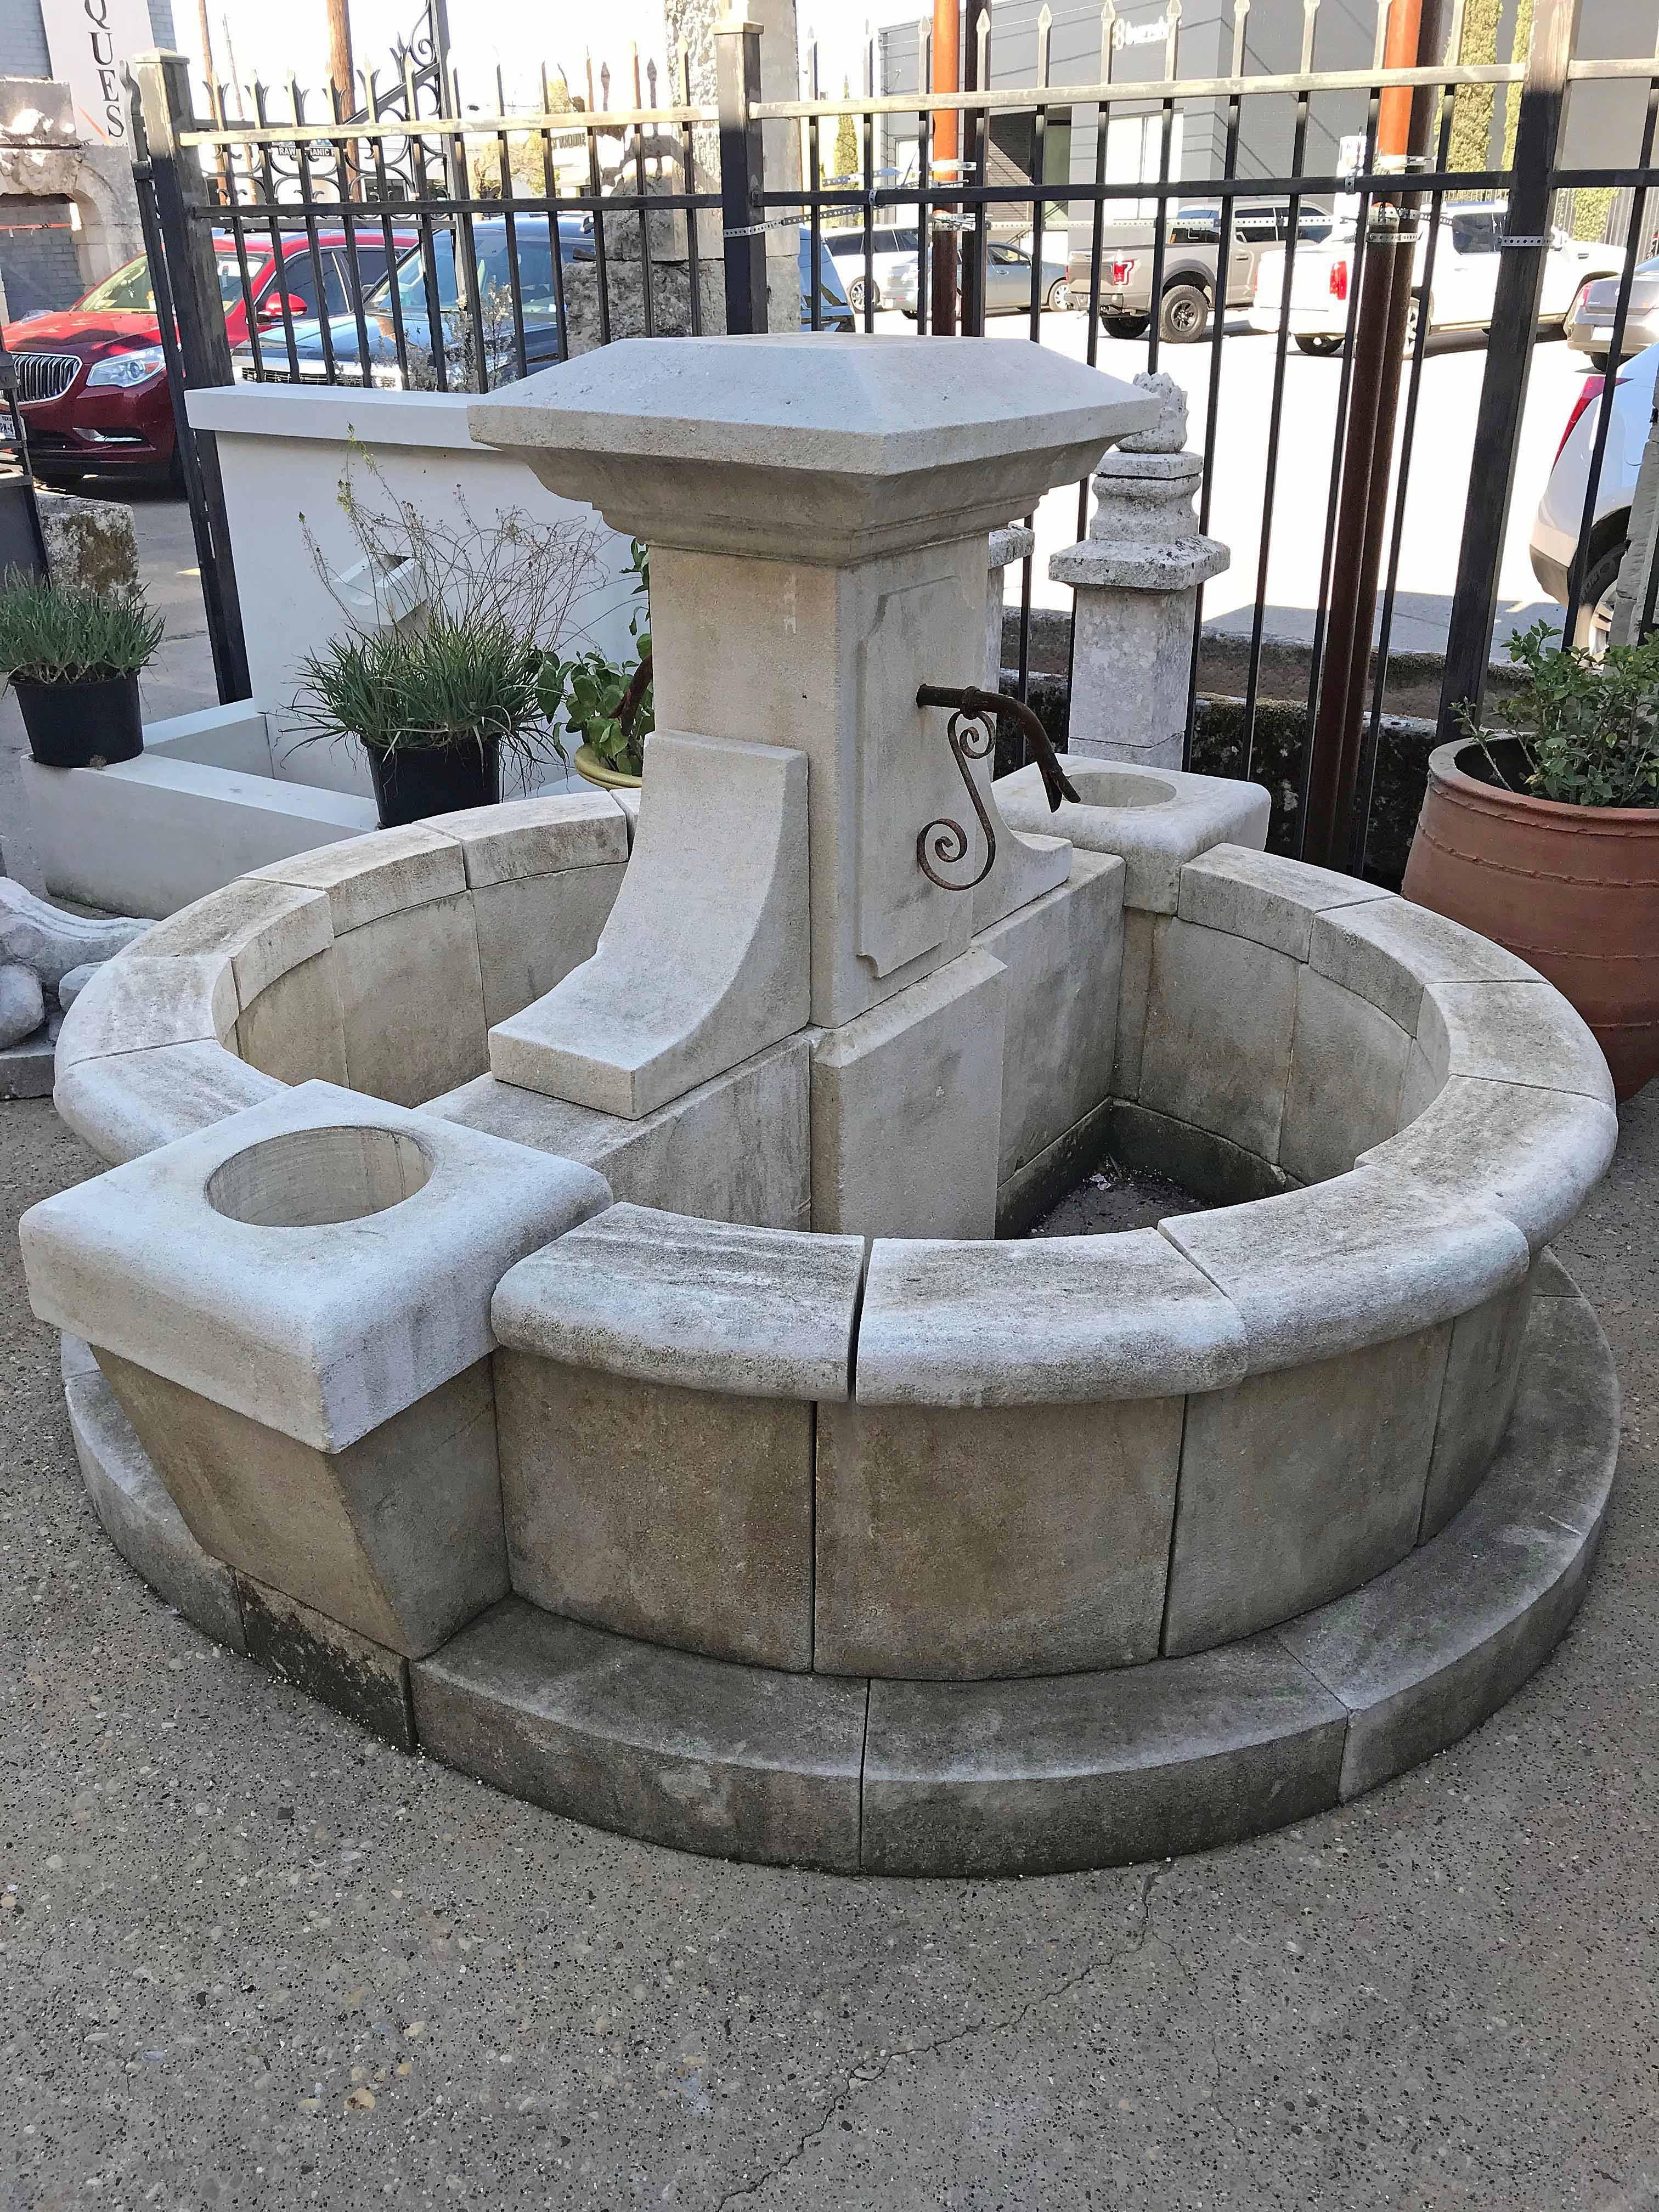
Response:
column 1188, row 282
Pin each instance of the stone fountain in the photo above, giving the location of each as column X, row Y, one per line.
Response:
column 560, row 1292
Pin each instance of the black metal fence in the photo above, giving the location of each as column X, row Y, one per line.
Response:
column 419, row 243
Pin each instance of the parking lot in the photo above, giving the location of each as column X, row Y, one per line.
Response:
column 1452, row 368
column 183, row 676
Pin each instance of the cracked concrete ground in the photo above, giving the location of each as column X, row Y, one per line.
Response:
column 249, row 1958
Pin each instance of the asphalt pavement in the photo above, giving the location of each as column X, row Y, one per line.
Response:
column 250, row 1958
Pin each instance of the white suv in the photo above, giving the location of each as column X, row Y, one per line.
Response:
column 1555, row 527
column 891, row 246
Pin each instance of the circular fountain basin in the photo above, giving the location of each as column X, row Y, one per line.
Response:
column 949, row 1556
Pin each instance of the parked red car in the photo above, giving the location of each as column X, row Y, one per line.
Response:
column 91, row 380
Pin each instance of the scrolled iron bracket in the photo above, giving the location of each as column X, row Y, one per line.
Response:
column 970, row 736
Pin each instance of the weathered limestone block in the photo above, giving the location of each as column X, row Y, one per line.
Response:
column 398, row 1536
column 1530, row 1154
column 1264, row 896
column 1136, row 578
column 1036, row 1777
column 71, row 985
column 1347, row 1064
column 1054, row 1321
column 1422, row 1654
column 543, row 876
column 89, row 541
column 1299, row 1485
column 656, row 1392
column 134, row 1510
column 1155, row 820
column 318, row 1263
column 657, row 1296
column 906, row 1109
column 740, row 1762
column 1483, row 1371
column 736, row 1148
column 995, row 1542
column 1200, row 979
column 366, row 1681
column 403, row 964
column 704, row 960
column 1349, row 1263
column 133, row 1102
column 1063, row 953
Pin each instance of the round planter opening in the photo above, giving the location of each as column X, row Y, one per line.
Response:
column 308, row 1178
column 1110, row 786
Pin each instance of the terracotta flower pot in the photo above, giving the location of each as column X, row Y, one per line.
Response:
column 1573, row 891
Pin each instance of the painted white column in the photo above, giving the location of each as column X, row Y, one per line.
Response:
column 1136, row 577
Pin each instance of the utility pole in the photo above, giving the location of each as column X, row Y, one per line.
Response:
column 1404, row 121
column 208, row 70
column 340, row 68
column 947, row 148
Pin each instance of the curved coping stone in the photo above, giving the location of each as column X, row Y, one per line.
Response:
column 1037, row 1775
column 145, row 1053
column 259, row 929
column 670, row 1298
column 1532, row 1155
column 1511, row 1032
column 1355, row 1261
column 1056, row 1320
column 136, row 1003
column 319, row 1329
column 1265, row 897
column 739, row 1762
column 137, row 1101
column 1155, row 819
column 1385, row 949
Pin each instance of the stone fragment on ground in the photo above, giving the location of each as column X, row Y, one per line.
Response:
column 70, row 987
column 22, row 1005
column 52, row 942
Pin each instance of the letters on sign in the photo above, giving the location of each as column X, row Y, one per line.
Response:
column 89, row 41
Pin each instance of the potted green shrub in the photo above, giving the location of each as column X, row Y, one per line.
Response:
column 1544, row 836
column 72, row 655
column 441, row 669
column 607, row 705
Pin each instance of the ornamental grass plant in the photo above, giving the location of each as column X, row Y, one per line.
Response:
column 72, row 632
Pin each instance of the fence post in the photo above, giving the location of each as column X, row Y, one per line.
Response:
column 1509, row 358
column 191, row 311
column 743, row 210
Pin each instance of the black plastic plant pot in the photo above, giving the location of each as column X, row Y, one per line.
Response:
column 412, row 782
column 82, row 725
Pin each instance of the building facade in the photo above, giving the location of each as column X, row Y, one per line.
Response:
column 67, row 213
column 1599, row 116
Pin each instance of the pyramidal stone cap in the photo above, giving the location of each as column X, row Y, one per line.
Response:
column 799, row 446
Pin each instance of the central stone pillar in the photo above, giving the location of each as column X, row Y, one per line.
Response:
column 817, row 510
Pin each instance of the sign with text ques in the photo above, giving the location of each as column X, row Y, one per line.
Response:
column 90, row 39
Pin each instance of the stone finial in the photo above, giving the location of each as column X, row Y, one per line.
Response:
column 1169, row 433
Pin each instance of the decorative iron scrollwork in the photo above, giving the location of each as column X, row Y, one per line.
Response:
column 971, row 737
column 970, row 733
